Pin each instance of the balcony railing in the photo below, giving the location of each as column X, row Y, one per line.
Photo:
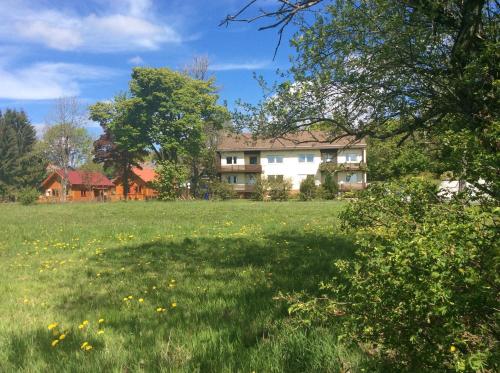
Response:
column 247, row 188
column 334, row 167
column 254, row 168
column 345, row 187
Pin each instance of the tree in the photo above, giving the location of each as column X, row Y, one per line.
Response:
column 21, row 166
column 177, row 115
column 122, row 145
column 432, row 65
column 65, row 143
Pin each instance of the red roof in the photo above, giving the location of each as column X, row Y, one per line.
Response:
column 79, row 177
column 146, row 174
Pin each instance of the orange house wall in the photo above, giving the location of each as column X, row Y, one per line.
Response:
column 135, row 183
column 74, row 192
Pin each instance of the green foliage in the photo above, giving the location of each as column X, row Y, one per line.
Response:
column 279, row 190
column 221, row 190
column 308, row 189
column 423, row 285
column 329, row 189
column 261, row 189
column 20, row 164
column 389, row 159
column 27, row 196
column 170, row 181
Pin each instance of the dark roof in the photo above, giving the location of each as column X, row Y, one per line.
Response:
column 79, row 177
column 299, row 140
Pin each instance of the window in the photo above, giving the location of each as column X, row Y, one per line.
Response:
column 329, row 157
column 253, row 160
column 231, row 160
column 275, row 177
column 232, row 179
column 306, row 158
column 274, row 159
column 351, row 178
column 351, row 157
column 250, row 179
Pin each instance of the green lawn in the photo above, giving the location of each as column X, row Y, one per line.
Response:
column 182, row 286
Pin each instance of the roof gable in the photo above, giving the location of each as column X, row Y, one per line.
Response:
column 79, row 177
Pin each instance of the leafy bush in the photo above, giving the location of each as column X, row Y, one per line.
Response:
column 27, row 196
column 279, row 190
column 307, row 189
column 423, row 285
column 221, row 190
column 329, row 189
column 169, row 180
column 261, row 190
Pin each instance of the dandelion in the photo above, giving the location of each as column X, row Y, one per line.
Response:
column 160, row 309
column 125, row 299
column 141, row 300
column 174, row 305
column 54, row 342
column 84, row 344
column 88, row 348
column 130, row 297
column 100, row 332
column 81, row 326
column 453, row 348
column 85, row 322
column 62, row 336
column 52, row 326
column 101, row 321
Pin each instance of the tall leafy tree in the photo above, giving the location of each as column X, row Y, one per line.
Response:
column 432, row 65
column 175, row 113
column 20, row 164
column 122, row 145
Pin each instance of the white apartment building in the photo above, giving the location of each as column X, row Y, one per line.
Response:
column 242, row 159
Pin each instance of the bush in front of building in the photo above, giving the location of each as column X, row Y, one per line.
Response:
column 329, row 189
column 307, row 189
column 279, row 190
column 27, row 196
column 221, row 190
column 261, row 190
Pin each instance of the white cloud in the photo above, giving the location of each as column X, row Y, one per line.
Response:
column 128, row 25
column 238, row 66
column 43, row 81
column 137, row 60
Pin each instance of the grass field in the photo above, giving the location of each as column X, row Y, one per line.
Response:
column 182, row 286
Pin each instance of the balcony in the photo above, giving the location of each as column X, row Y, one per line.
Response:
column 335, row 167
column 348, row 187
column 250, row 168
column 246, row 188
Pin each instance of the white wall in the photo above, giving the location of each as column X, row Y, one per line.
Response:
column 291, row 168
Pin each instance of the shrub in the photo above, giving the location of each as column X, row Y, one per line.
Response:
column 221, row 190
column 329, row 189
column 279, row 190
column 423, row 285
column 27, row 196
column 261, row 190
column 169, row 180
column 307, row 189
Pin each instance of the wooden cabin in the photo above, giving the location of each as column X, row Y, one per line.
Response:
column 140, row 184
column 82, row 186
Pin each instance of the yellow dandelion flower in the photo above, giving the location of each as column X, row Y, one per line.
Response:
column 154, row 287
column 84, row 344
column 54, row 342
column 172, row 281
column 174, row 305
column 125, row 299
column 88, row 348
column 81, row 326
column 100, row 332
column 101, row 321
column 85, row 322
column 158, row 309
column 452, row 348
column 130, row 297
column 52, row 326
column 141, row 300
column 62, row 336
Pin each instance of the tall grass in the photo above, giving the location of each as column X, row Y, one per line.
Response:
column 180, row 286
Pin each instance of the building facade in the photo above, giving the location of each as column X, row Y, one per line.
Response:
column 81, row 186
column 140, row 184
column 242, row 159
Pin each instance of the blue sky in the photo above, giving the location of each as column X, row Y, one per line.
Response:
column 54, row 48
